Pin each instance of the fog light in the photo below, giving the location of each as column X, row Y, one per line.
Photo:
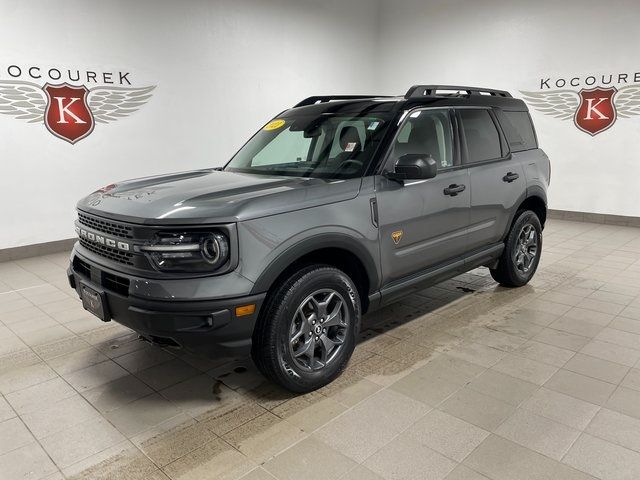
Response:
column 245, row 310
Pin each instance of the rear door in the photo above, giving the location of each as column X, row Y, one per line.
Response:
column 423, row 223
column 497, row 179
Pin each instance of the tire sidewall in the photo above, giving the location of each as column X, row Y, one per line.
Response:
column 526, row 217
column 308, row 283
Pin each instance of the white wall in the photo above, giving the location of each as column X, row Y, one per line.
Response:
column 512, row 45
column 223, row 68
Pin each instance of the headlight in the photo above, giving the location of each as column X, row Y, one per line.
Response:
column 188, row 252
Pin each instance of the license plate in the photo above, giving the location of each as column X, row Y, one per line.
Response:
column 94, row 302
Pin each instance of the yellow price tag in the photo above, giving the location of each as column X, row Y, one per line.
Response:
column 274, row 125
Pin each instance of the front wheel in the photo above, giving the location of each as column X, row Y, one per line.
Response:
column 307, row 331
column 521, row 255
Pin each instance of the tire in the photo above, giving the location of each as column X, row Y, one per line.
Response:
column 516, row 267
column 295, row 310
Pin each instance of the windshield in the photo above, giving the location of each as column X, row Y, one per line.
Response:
column 321, row 146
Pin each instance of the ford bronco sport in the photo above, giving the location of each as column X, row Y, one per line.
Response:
column 334, row 208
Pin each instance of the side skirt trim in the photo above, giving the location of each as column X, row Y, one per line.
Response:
column 433, row 275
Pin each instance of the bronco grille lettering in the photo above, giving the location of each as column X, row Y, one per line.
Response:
column 102, row 240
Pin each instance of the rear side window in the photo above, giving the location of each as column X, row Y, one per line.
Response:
column 518, row 129
column 481, row 135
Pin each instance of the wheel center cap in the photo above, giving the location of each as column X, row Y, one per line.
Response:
column 318, row 330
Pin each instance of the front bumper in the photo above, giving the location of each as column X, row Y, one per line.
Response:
column 204, row 327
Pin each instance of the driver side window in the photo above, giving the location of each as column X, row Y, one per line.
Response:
column 426, row 132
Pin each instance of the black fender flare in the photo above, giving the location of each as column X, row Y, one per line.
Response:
column 314, row 243
column 537, row 191
column 534, row 191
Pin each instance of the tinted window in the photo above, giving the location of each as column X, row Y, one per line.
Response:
column 426, row 132
column 483, row 141
column 518, row 129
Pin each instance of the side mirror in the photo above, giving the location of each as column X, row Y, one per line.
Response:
column 414, row 166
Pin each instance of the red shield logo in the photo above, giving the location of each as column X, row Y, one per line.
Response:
column 67, row 115
column 596, row 112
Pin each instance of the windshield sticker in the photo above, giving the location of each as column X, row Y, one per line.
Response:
column 274, row 125
column 351, row 146
column 373, row 125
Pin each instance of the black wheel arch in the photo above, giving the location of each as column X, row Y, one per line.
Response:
column 341, row 251
column 536, row 201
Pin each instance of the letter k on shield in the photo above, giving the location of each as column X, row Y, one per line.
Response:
column 596, row 112
column 68, row 115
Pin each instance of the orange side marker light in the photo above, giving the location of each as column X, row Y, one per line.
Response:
column 245, row 310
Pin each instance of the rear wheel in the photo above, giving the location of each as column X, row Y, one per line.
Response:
column 306, row 334
column 521, row 255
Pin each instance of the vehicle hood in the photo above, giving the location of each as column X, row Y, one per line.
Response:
column 212, row 196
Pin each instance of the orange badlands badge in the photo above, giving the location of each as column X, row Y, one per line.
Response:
column 396, row 236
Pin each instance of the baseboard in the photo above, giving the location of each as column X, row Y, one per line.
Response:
column 26, row 251
column 601, row 218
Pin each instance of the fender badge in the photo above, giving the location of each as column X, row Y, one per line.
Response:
column 396, row 236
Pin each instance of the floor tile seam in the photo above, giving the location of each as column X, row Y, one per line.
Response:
column 600, row 407
column 162, row 468
column 19, row 335
column 515, row 352
column 599, row 436
column 613, row 345
column 624, row 332
column 81, row 396
column 36, row 439
column 596, row 378
column 580, row 432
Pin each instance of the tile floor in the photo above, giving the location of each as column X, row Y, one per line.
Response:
column 462, row 381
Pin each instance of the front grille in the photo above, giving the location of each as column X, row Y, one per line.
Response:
column 109, row 281
column 104, row 226
column 107, row 252
column 115, row 283
column 82, row 267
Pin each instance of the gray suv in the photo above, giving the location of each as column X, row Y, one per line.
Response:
column 336, row 207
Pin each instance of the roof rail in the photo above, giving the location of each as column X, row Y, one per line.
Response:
column 420, row 91
column 328, row 98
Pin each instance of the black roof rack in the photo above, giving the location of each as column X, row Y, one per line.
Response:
column 421, row 91
column 417, row 92
column 328, row 98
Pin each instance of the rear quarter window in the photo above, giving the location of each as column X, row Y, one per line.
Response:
column 518, row 129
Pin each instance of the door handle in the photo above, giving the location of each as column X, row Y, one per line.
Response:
column 510, row 177
column 453, row 190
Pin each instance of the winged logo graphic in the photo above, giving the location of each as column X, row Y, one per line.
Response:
column 70, row 112
column 593, row 110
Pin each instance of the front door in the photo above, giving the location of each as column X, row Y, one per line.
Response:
column 423, row 223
